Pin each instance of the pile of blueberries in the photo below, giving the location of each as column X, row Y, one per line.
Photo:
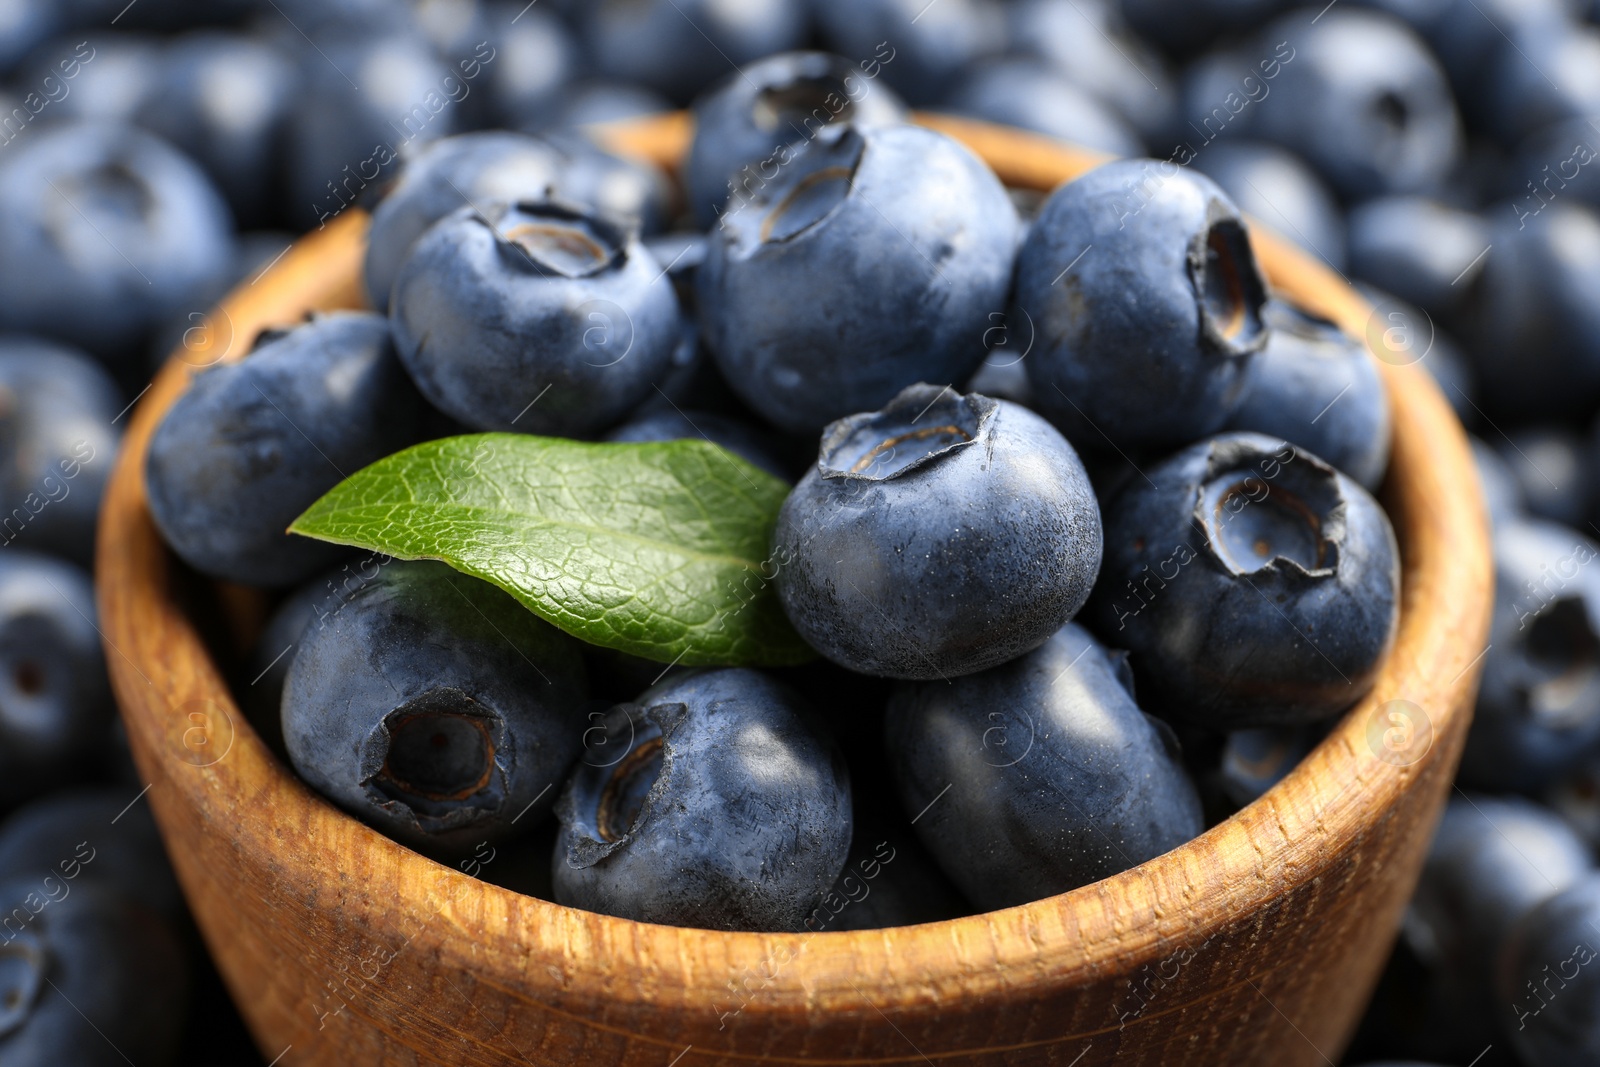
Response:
column 1081, row 527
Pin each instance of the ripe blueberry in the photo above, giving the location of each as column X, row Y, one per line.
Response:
column 1254, row 584
column 435, row 707
column 716, row 801
column 940, row 536
column 1040, row 775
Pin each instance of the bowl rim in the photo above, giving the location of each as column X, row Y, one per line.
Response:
column 162, row 674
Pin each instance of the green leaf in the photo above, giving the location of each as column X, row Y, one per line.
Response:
column 654, row 549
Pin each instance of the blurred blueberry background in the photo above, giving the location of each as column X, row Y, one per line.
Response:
column 1442, row 155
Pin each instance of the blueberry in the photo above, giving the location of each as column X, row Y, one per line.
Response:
column 364, row 97
column 1254, row 584
column 451, row 173
column 942, row 535
column 252, row 444
column 1253, row 761
column 1362, row 99
column 1139, row 281
column 1533, row 317
column 622, row 187
column 55, row 700
column 1040, row 775
column 1088, row 42
column 716, row 801
column 901, row 241
column 101, row 834
column 917, row 48
column 435, row 707
column 493, row 310
column 679, row 425
column 108, row 233
column 1469, row 37
column 226, row 98
column 1422, row 251
column 1318, row 387
column 1538, row 710
column 1551, row 75
column 1551, row 467
column 536, row 57
column 1558, row 161
column 109, row 75
column 86, row 977
column 1491, row 861
column 1280, row 189
column 310, row 607
column 1031, row 96
column 779, row 101
column 57, row 445
column 1547, row 981
column 677, row 46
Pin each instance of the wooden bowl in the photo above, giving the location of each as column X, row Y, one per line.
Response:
column 1257, row 943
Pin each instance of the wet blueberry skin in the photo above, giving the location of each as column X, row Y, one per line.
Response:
column 940, row 536
column 129, row 189
column 717, row 801
column 780, row 100
column 1317, row 387
column 1279, row 188
column 1548, row 982
column 1030, row 95
column 1538, row 712
column 55, row 699
column 90, row 954
column 251, row 445
column 436, row 708
column 1056, row 777
column 536, row 316
column 676, row 424
column 57, row 445
column 902, row 241
column 1140, row 283
column 1254, row 584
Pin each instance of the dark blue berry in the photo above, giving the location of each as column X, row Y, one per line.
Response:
column 940, row 536
column 435, row 707
column 716, row 801
column 1254, row 584
column 1040, row 775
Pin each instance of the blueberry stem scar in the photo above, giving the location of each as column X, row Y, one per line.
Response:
column 914, row 435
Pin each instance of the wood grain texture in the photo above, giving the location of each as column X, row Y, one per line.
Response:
column 1256, row 944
